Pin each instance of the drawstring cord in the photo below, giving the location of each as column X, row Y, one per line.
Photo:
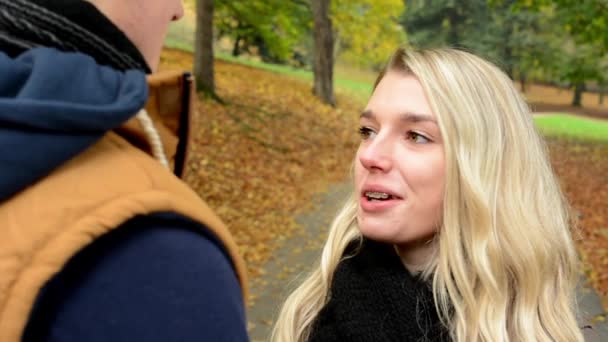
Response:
column 153, row 137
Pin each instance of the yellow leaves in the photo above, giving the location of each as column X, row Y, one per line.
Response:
column 598, row 319
column 258, row 160
column 357, row 21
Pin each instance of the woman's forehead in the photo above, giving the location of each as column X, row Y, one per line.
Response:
column 400, row 94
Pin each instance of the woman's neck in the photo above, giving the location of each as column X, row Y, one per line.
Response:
column 415, row 256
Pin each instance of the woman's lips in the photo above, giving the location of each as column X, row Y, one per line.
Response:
column 371, row 205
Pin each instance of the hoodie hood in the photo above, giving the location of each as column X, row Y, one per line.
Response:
column 54, row 105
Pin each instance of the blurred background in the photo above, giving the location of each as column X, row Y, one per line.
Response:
column 281, row 85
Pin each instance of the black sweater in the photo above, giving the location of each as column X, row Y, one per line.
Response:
column 374, row 298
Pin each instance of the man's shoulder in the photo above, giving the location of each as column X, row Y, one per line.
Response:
column 157, row 277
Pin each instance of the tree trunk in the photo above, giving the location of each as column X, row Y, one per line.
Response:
column 453, row 37
column 263, row 50
column 203, row 56
column 508, row 58
column 508, row 51
column 509, row 66
column 323, row 53
column 522, row 82
column 235, row 49
column 579, row 88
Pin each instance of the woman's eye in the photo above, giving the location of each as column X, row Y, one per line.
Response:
column 417, row 138
column 366, row 132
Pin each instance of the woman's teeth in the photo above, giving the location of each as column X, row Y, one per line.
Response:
column 374, row 195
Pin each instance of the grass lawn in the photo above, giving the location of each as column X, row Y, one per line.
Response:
column 570, row 126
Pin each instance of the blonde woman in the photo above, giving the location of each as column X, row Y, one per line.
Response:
column 457, row 229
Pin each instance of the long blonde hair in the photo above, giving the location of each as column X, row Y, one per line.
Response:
column 505, row 267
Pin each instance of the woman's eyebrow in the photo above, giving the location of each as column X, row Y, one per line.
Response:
column 367, row 114
column 406, row 116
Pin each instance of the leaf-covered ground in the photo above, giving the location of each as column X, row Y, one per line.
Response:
column 583, row 171
column 258, row 160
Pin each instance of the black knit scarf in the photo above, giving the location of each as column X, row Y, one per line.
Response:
column 67, row 25
column 374, row 298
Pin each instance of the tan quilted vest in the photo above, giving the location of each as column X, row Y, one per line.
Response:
column 43, row 226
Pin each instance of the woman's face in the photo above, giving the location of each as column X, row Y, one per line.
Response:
column 400, row 166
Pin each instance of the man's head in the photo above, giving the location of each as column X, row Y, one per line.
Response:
column 145, row 22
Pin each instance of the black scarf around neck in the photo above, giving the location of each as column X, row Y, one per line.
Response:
column 374, row 298
column 67, row 25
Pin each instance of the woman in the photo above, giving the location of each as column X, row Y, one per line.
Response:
column 457, row 229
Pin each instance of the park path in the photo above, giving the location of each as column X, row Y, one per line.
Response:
column 296, row 257
column 299, row 253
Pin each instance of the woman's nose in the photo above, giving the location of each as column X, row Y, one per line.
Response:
column 376, row 155
column 180, row 11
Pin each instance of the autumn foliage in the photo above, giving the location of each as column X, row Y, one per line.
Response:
column 583, row 171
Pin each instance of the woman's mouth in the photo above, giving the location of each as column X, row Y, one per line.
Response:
column 376, row 200
column 377, row 196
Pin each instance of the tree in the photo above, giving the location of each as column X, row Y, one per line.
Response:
column 445, row 22
column 527, row 40
column 356, row 21
column 274, row 34
column 495, row 32
column 587, row 24
column 582, row 27
column 203, row 55
column 323, row 52
column 576, row 65
column 586, row 20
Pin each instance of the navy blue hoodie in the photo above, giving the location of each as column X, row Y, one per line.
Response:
column 160, row 277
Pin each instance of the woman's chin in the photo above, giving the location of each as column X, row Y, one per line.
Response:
column 378, row 232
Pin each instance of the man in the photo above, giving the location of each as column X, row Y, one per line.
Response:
column 99, row 240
